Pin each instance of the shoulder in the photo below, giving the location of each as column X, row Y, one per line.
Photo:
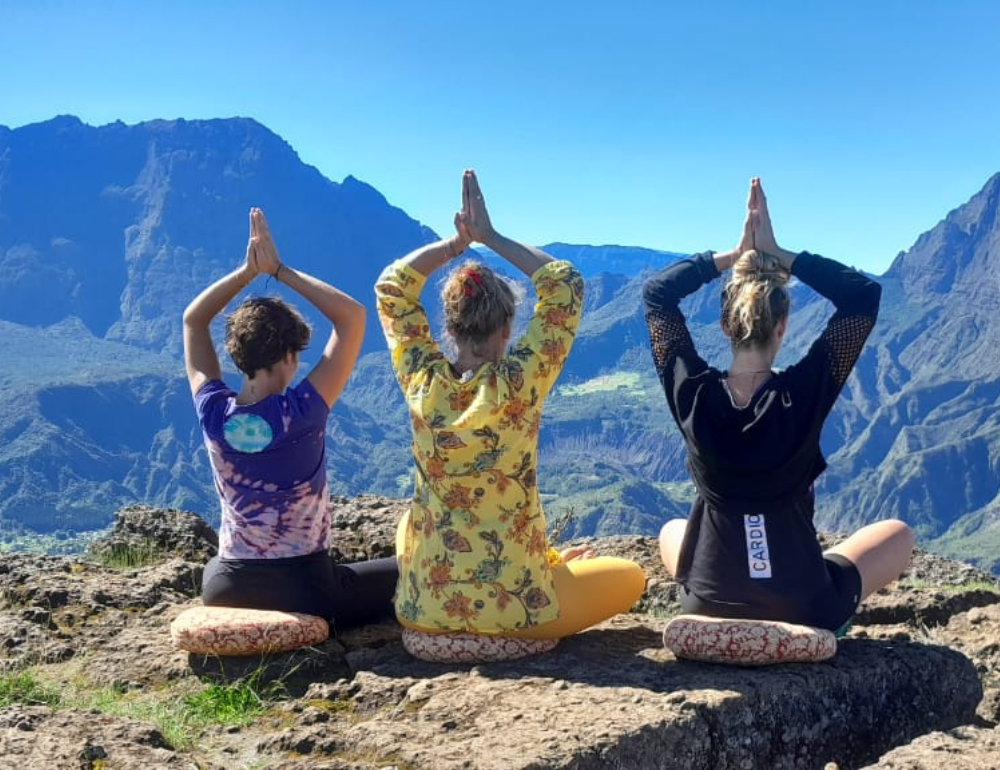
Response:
column 558, row 271
column 305, row 400
column 213, row 392
column 399, row 279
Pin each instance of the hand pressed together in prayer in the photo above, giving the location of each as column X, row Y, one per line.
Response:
column 262, row 254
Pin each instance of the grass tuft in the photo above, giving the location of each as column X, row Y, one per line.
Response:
column 181, row 718
column 127, row 555
column 235, row 703
column 21, row 687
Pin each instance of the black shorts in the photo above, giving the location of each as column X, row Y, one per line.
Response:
column 344, row 594
column 832, row 613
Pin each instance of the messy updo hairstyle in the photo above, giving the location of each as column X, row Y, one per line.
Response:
column 262, row 331
column 476, row 302
column 755, row 299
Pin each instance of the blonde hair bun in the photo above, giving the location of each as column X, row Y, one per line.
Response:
column 755, row 265
column 755, row 299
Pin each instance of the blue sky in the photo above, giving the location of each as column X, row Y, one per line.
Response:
column 637, row 123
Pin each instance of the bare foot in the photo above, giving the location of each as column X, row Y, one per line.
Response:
column 577, row 552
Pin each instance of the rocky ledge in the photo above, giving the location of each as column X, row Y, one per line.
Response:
column 89, row 678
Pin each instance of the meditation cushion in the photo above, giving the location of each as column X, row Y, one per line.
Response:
column 746, row 642
column 461, row 647
column 237, row 631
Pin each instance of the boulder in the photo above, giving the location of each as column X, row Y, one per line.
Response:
column 904, row 687
column 143, row 533
column 964, row 748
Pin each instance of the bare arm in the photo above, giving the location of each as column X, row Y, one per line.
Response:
column 472, row 223
column 342, row 346
column 763, row 233
column 476, row 222
column 757, row 233
column 525, row 258
column 200, row 360
column 429, row 258
column 345, row 313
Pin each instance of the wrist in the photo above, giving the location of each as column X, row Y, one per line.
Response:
column 786, row 258
column 277, row 273
column 491, row 239
column 726, row 259
column 454, row 246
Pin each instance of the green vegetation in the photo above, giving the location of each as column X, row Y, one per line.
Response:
column 163, row 710
column 974, row 539
column 630, row 506
column 22, row 687
column 127, row 555
column 603, row 437
column 235, row 703
column 15, row 539
column 630, row 382
column 180, row 719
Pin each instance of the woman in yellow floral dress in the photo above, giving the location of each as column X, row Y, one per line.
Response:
column 473, row 551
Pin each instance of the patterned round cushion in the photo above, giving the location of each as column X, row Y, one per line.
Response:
column 746, row 642
column 237, row 631
column 463, row 647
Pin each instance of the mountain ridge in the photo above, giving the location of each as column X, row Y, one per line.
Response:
column 119, row 226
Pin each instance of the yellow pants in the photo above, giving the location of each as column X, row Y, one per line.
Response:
column 589, row 591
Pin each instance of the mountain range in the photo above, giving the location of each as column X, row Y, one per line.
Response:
column 107, row 232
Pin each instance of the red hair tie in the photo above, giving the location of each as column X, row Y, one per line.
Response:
column 474, row 276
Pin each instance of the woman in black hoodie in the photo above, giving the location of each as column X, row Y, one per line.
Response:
column 749, row 548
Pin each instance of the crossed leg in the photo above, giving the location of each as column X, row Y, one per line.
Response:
column 880, row 551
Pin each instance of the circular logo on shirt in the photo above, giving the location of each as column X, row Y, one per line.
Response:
column 248, row 433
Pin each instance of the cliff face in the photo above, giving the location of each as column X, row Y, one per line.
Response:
column 918, row 676
column 107, row 232
column 121, row 225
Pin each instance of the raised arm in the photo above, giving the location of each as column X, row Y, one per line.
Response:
column 426, row 259
column 762, row 233
column 345, row 313
column 663, row 292
column 475, row 220
column 200, row 360
column 473, row 223
column 856, row 298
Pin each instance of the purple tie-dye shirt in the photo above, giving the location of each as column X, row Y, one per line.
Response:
column 269, row 464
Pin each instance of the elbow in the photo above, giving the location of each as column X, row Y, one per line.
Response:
column 650, row 290
column 359, row 312
column 191, row 317
column 352, row 315
column 874, row 296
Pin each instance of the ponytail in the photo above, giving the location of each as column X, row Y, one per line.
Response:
column 755, row 300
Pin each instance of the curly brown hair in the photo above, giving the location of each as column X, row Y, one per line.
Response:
column 262, row 331
column 755, row 299
column 476, row 302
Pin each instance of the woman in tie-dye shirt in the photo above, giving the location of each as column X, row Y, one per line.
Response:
column 266, row 444
column 473, row 550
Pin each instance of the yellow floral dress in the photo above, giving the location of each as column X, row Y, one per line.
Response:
column 474, row 553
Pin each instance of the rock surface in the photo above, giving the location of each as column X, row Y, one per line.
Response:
column 964, row 748
column 915, row 685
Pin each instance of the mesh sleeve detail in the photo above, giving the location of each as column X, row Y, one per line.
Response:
column 668, row 336
column 845, row 337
